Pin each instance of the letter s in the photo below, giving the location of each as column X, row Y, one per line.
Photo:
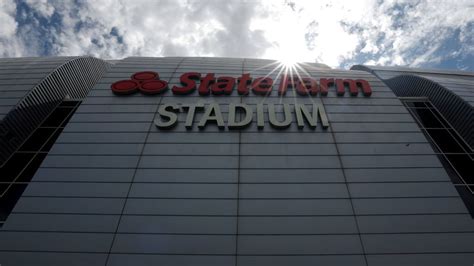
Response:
column 189, row 85
column 167, row 111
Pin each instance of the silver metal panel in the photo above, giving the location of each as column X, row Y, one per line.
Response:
column 63, row 77
column 451, row 92
column 365, row 191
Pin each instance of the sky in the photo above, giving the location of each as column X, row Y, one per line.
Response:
column 414, row 33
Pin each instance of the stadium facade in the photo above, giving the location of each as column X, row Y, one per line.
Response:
column 224, row 161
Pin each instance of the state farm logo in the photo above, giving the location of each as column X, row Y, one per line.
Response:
column 147, row 82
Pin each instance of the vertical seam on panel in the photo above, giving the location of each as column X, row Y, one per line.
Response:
column 136, row 168
column 350, row 197
column 49, row 89
column 238, row 184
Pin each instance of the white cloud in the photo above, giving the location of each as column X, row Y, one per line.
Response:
column 413, row 32
column 385, row 33
column 9, row 45
column 153, row 28
column 7, row 18
column 337, row 33
column 42, row 7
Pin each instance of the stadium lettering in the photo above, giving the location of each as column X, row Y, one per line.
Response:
column 240, row 115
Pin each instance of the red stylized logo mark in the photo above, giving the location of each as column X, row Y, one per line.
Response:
column 147, row 82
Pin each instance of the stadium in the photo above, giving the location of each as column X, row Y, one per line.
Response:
column 233, row 161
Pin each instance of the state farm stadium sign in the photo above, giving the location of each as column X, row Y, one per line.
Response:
column 240, row 115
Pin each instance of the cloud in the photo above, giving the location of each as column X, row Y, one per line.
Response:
column 9, row 44
column 384, row 32
column 337, row 33
column 116, row 29
column 412, row 33
column 42, row 7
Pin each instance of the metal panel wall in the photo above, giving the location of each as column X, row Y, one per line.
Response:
column 452, row 92
column 31, row 88
column 457, row 111
column 115, row 190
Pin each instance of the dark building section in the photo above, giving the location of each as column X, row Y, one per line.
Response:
column 17, row 171
column 32, row 87
column 453, row 151
column 451, row 92
column 440, row 101
column 114, row 189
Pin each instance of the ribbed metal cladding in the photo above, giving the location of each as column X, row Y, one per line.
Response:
column 458, row 112
column 72, row 80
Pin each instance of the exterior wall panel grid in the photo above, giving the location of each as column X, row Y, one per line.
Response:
column 367, row 191
column 27, row 111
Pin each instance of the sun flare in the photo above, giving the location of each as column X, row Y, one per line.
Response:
column 288, row 61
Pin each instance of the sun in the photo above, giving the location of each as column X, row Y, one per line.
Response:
column 288, row 44
column 289, row 54
column 288, row 61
